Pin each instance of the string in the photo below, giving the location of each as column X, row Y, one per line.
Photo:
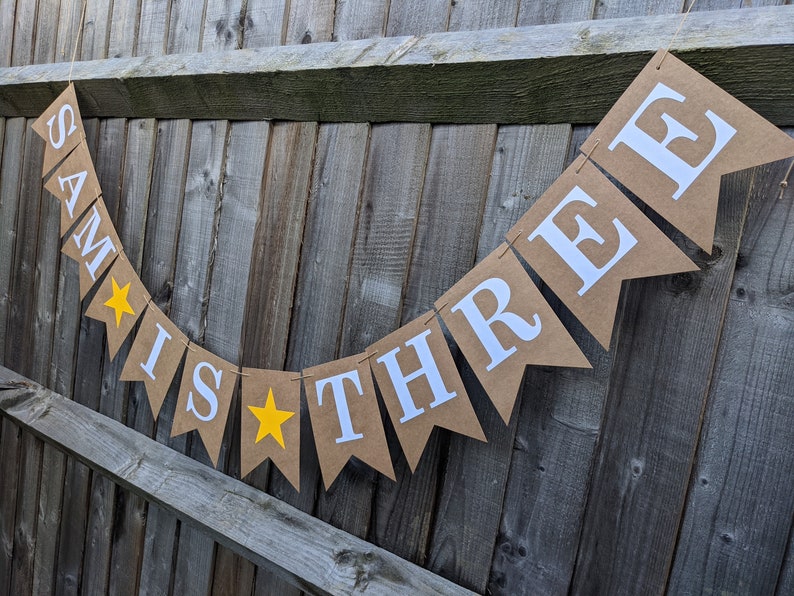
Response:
column 301, row 377
column 784, row 182
column 77, row 39
column 586, row 157
column 677, row 31
column 367, row 357
column 435, row 312
column 510, row 243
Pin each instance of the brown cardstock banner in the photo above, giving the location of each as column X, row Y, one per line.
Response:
column 345, row 417
column 208, row 383
column 421, row 386
column 270, row 422
column 155, row 356
column 119, row 302
column 94, row 244
column 584, row 237
column 673, row 134
column 502, row 323
column 75, row 185
column 61, row 127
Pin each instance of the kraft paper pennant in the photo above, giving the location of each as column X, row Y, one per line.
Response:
column 75, row 185
column 673, row 134
column 270, row 417
column 502, row 323
column 94, row 244
column 345, row 417
column 584, row 237
column 155, row 356
column 421, row 386
column 119, row 303
column 204, row 398
column 61, row 127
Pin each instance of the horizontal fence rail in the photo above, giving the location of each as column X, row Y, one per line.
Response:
column 305, row 551
column 571, row 72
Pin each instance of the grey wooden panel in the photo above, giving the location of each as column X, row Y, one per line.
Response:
column 124, row 26
column 417, row 17
column 660, row 378
column 305, row 551
column 735, row 527
column 542, row 74
column 264, row 20
column 309, row 21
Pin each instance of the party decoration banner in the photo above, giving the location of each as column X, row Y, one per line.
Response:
column 208, row 383
column 270, row 422
column 61, row 127
column 155, row 355
column 673, row 134
column 421, row 386
column 345, row 417
column 584, row 237
column 119, row 303
column 75, row 185
column 94, row 244
column 502, row 323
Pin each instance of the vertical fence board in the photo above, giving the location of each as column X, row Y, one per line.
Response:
column 735, row 529
column 526, row 161
column 651, row 427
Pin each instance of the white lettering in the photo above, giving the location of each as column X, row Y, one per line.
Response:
column 569, row 250
column 75, row 188
column 62, row 132
column 482, row 326
column 428, row 368
column 657, row 154
column 337, row 384
column 204, row 391
column 104, row 246
column 154, row 355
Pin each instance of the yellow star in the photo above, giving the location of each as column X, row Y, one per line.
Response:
column 271, row 419
column 118, row 301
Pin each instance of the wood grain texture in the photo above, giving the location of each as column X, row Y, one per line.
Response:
column 652, row 415
column 526, row 161
column 545, row 74
column 734, row 532
column 309, row 553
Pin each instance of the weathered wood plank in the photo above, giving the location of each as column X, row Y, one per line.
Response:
column 551, row 73
column 124, row 26
column 303, row 550
column 735, row 531
column 526, row 161
column 653, row 412
column 444, row 249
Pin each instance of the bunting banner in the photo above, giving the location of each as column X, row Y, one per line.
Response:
column 502, row 323
column 584, row 237
column 270, row 422
column 345, row 417
column 205, row 396
column 119, row 303
column 93, row 244
column 673, row 134
column 155, row 356
column 668, row 139
column 75, row 185
column 61, row 127
column 421, row 386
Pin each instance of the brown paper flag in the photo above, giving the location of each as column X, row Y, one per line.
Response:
column 94, row 244
column 119, row 302
column 155, row 355
column 673, row 134
column 208, row 383
column 501, row 322
column 270, row 417
column 61, row 128
column 584, row 237
column 421, row 386
column 75, row 185
column 345, row 417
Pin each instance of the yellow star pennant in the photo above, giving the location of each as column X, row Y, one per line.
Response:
column 118, row 301
column 271, row 419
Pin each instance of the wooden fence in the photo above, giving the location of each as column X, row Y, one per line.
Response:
column 289, row 206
